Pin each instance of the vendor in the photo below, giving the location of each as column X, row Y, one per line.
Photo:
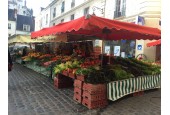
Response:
column 76, row 50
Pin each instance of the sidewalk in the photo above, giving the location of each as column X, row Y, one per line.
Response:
column 30, row 93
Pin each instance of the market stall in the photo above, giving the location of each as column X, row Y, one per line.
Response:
column 154, row 43
column 90, row 77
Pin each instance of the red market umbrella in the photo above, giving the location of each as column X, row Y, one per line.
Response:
column 157, row 42
column 102, row 28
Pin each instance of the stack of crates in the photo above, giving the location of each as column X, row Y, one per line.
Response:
column 78, row 85
column 94, row 96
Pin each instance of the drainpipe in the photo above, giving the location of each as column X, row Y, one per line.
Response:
column 104, row 8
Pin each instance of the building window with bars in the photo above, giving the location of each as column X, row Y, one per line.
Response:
column 86, row 11
column 72, row 3
column 54, row 12
column 120, row 8
column 72, row 17
column 62, row 6
column 26, row 27
column 46, row 18
column 9, row 26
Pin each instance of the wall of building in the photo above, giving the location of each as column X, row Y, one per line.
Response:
column 78, row 10
column 13, row 28
column 12, row 6
column 43, row 16
column 38, row 23
column 109, row 8
column 151, row 11
column 22, row 18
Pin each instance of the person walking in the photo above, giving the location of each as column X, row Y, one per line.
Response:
column 10, row 64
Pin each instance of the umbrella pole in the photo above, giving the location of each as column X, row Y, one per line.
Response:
column 102, row 53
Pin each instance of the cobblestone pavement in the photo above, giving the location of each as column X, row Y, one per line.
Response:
column 30, row 93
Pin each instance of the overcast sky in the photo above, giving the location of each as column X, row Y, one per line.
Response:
column 36, row 4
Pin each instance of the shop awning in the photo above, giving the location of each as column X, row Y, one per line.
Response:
column 102, row 28
column 157, row 42
column 27, row 39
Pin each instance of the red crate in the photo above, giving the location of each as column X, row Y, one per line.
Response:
column 61, row 76
column 60, row 83
column 63, row 85
column 95, row 97
column 78, row 83
column 77, row 98
column 71, row 75
column 94, row 88
column 63, row 80
column 77, row 91
column 94, row 104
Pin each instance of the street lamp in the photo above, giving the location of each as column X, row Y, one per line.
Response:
column 95, row 7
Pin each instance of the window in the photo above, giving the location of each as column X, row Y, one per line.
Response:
column 53, row 24
column 41, row 21
column 62, row 6
column 46, row 18
column 86, row 11
column 9, row 35
column 120, row 8
column 72, row 3
column 23, row 12
column 62, row 20
column 72, row 17
column 54, row 12
column 9, row 26
column 26, row 27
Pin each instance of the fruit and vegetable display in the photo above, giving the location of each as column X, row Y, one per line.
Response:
column 123, row 68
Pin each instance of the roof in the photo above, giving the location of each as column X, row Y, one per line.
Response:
column 11, row 15
column 27, row 20
column 154, row 43
column 12, row 2
column 101, row 28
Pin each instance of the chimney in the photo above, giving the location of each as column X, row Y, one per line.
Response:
column 25, row 3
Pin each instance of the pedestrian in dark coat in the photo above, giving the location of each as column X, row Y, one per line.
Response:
column 10, row 64
column 24, row 51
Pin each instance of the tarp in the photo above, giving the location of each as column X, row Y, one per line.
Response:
column 27, row 39
column 154, row 43
column 102, row 28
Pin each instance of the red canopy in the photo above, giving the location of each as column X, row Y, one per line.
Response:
column 102, row 28
column 157, row 42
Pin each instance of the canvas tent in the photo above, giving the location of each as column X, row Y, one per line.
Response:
column 101, row 28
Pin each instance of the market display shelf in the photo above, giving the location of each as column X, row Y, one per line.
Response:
column 41, row 70
column 121, row 88
column 18, row 61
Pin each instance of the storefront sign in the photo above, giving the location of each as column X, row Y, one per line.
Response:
column 140, row 20
column 96, row 42
column 116, row 50
column 123, row 54
column 139, row 47
column 107, row 50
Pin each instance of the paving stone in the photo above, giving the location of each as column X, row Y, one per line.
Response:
column 30, row 93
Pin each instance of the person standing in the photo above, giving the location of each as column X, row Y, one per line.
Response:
column 10, row 64
column 24, row 52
